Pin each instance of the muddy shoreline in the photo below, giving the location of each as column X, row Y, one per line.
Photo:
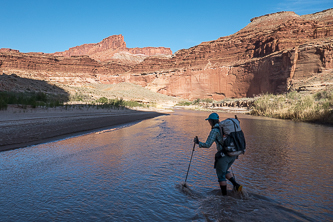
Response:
column 21, row 128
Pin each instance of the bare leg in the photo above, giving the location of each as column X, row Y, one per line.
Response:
column 223, row 183
column 237, row 186
column 228, row 176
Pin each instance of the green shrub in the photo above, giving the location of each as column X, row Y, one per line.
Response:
column 132, row 104
column 115, row 103
column 26, row 99
column 184, row 103
column 40, row 96
column 196, row 102
column 102, row 100
column 317, row 96
column 292, row 95
column 118, row 102
column 3, row 104
column 78, row 97
column 208, row 100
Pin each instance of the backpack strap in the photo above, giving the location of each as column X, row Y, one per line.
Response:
column 233, row 123
column 221, row 134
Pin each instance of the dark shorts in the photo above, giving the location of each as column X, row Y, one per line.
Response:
column 222, row 166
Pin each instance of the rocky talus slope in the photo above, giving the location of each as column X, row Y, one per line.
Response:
column 274, row 53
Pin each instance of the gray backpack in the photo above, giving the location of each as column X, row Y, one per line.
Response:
column 233, row 137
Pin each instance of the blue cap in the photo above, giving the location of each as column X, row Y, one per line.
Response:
column 213, row 116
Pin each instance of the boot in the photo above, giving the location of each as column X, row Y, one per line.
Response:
column 224, row 190
column 237, row 187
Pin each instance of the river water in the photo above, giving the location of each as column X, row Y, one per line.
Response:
column 135, row 173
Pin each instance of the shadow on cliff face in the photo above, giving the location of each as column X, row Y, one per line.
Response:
column 15, row 89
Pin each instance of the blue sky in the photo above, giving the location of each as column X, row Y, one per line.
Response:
column 50, row 26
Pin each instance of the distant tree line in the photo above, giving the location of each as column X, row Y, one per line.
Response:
column 32, row 99
column 40, row 99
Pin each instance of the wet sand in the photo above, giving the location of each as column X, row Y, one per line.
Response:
column 24, row 127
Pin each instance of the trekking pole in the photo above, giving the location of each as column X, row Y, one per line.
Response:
column 189, row 164
column 233, row 173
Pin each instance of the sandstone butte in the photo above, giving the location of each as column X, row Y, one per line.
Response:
column 271, row 54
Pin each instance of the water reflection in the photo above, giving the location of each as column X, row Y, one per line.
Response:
column 132, row 173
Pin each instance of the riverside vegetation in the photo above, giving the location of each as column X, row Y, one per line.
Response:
column 32, row 99
column 194, row 102
column 307, row 107
column 40, row 99
column 317, row 107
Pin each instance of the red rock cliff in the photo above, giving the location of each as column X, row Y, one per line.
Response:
column 270, row 54
column 113, row 43
column 108, row 47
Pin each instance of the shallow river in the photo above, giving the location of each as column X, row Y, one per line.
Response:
column 135, row 173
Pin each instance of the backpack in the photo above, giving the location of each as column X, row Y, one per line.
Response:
column 233, row 137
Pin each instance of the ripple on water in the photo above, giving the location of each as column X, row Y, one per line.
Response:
column 135, row 173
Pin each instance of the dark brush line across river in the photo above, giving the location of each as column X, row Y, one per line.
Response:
column 134, row 173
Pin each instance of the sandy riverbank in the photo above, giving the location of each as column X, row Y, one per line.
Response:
column 24, row 127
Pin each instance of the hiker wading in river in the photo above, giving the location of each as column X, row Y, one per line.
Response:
column 222, row 161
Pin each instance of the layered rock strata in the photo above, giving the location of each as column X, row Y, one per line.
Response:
column 271, row 54
column 114, row 48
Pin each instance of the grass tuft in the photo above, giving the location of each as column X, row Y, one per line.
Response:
column 311, row 108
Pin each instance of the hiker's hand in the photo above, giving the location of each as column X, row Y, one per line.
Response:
column 196, row 140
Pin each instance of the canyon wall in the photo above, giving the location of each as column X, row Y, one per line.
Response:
column 111, row 46
column 271, row 54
